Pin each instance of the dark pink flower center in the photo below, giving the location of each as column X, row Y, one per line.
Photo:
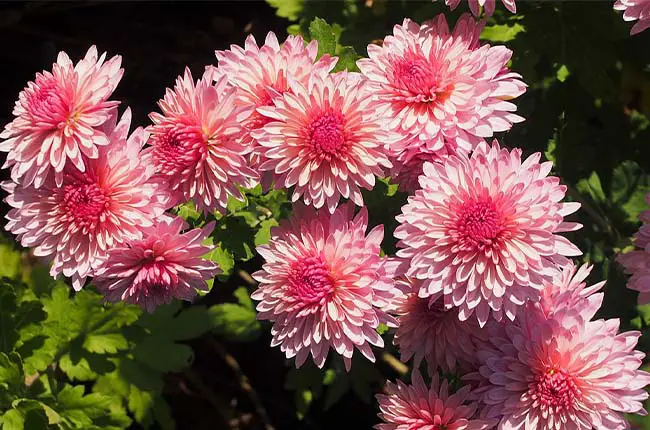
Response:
column 555, row 388
column 327, row 136
column 478, row 224
column 46, row 103
column 85, row 204
column 310, row 280
column 416, row 75
column 178, row 148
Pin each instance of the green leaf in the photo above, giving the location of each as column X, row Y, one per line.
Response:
column 224, row 259
column 79, row 409
column 162, row 354
column 322, row 32
column 25, row 415
column 592, row 187
column 10, row 261
column 236, row 322
column 263, row 235
column 501, row 33
column 289, row 9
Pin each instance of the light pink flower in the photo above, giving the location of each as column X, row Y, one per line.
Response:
column 58, row 118
column 635, row 10
column 488, row 6
column 429, row 332
column 92, row 211
column 407, row 173
column 323, row 285
column 409, row 407
column 195, row 142
column 482, row 231
column 262, row 73
column 324, row 140
column 564, row 372
column 637, row 262
column 435, row 87
column 164, row 264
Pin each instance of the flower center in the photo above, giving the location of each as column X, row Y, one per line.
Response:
column 45, row 103
column 326, row 135
column 416, row 75
column 478, row 224
column 85, row 204
column 178, row 148
column 310, row 280
column 555, row 388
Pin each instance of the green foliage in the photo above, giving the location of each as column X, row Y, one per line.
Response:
column 236, row 321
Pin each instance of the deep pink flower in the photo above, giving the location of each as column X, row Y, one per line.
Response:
column 324, row 140
column 92, row 211
column 323, row 285
column 637, row 262
column 482, row 231
column 488, row 6
column 58, row 118
column 162, row 265
column 410, row 407
column 564, row 372
column 635, row 10
column 436, row 88
column 195, row 142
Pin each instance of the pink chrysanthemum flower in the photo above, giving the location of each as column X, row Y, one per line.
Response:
column 92, row 211
column 164, row 264
column 58, row 118
column 324, row 140
column 429, row 332
column 637, row 262
column 635, row 10
column 407, row 407
column 487, row 5
column 195, row 142
column 407, row 173
column 435, row 87
column 324, row 284
column 262, row 73
column 564, row 372
column 482, row 231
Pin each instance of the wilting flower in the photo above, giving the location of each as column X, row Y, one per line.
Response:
column 263, row 73
column 487, row 5
column 407, row 407
column 637, row 262
column 635, row 10
column 437, row 88
column 429, row 332
column 195, row 142
column 482, row 231
column 323, row 285
column 162, row 265
column 92, row 211
column 324, row 140
column 58, row 118
column 563, row 372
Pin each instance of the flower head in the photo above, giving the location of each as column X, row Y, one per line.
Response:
column 195, row 143
column 323, row 140
column 92, row 211
column 407, row 173
column 482, row 231
column 487, row 5
column 323, row 285
column 162, row 265
column 59, row 117
column 637, row 262
column 416, row 406
column 435, row 87
column 635, row 10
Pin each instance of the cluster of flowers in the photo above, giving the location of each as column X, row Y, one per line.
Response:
column 482, row 284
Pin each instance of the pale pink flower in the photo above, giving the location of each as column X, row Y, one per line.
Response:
column 487, row 5
column 435, row 87
column 92, row 211
column 324, row 140
column 195, row 142
column 431, row 333
column 58, row 118
column 563, row 373
column 262, row 73
column 637, row 262
column 323, row 284
column 482, row 231
column 162, row 265
column 416, row 406
column 635, row 10
column 407, row 173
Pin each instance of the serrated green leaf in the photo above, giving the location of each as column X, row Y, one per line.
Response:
column 235, row 322
column 322, row 32
column 592, row 187
column 289, row 9
column 78, row 408
column 224, row 259
column 263, row 235
column 501, row 33
column 162, row 354
column 25, row 415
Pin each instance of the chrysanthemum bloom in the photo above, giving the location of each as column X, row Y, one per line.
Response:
column 436, row 87
column 637, row 262
column 487, row 5
column 482, row 231
column 407, row 173
column 164, row 264
column 635, row 10
column 324, row 140
column 564, row 372
column 324, row 284
column 262, row 73
column 195, row 142
column 58, row 118
column 429, row 332
column 92, row 211
column 407, row 407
